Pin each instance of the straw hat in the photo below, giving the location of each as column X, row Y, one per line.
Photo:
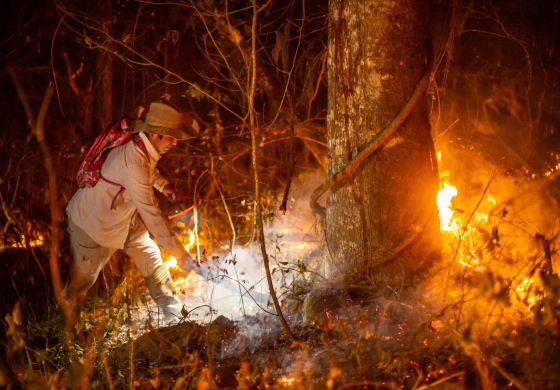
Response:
column 164, row 119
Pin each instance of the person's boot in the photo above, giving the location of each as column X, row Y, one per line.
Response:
column 74, row 292
column 163, row 292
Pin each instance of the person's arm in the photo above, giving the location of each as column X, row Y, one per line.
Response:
column 164, row 186
column 160, row 182
column 139, row 188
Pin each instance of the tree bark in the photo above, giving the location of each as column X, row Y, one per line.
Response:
column 378, row 51
column 103, row 76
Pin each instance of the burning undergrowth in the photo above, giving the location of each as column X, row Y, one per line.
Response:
column 477, row 321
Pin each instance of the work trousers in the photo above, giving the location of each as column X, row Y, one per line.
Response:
column 89, row 258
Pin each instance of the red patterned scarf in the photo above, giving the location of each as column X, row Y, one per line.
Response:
column 117, row 134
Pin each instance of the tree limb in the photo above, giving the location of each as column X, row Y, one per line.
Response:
column 352, row 167
column 254, row 147
column 37, row 127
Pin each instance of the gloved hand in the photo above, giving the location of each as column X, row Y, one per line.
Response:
column 170, row 191
column 188, row 264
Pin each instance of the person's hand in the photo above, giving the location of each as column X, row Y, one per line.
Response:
column 170, row 191
column 188, row 264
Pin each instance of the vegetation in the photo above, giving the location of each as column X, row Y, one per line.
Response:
column 255, row 75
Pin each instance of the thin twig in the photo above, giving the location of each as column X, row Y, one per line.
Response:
column 441, row 380
column 222, row 55
column 319, row 80
column 96, row 335
column 107, row 372
column 291, row 167
column 233, row 236
column 145, row 61
column 514, row 381
column 462, row 234
column 254, row 148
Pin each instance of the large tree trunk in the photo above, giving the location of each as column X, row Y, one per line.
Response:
column 378, row 51
column 103, row 76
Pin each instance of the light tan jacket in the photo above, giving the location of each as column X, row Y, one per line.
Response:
column 127, row 165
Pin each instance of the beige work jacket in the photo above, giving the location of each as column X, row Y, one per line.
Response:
column 127, row 165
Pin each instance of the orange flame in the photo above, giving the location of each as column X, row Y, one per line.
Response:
column 185, row 282
column 451, row 224
column 190, row 283
column 446, row 221
column 468, row 240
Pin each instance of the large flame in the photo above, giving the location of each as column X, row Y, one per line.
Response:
column 461, row 237
column 468, row 242
column 446, row 193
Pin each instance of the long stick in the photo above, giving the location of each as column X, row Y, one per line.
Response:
column 254, row 146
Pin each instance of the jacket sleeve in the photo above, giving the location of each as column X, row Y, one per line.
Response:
column 159, row 181
column 138, row 185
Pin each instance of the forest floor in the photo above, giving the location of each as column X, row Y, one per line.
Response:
column 479, row 339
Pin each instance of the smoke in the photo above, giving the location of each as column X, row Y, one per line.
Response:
column 233, row 283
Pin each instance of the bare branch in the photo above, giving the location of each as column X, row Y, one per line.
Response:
column 254, row 148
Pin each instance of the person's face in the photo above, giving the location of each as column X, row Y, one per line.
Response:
column 162, row 143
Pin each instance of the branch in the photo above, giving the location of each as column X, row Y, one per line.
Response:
column 254, row 146
column 37, row 126
column 145, row 61
column 352, row 167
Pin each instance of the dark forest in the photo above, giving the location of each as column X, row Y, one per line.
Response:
column 369, row 197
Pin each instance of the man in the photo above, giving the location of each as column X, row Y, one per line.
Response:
column 116, row 207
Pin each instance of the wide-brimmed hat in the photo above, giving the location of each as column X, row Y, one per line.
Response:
column 164, row 119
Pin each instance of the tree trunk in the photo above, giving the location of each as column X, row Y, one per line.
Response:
column 378, row 51
column 103, row 76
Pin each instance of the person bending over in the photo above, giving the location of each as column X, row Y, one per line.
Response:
column 115, row 207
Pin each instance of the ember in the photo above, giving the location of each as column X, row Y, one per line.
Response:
column 22, row 243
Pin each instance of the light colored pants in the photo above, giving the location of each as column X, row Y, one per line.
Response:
column 89, row 258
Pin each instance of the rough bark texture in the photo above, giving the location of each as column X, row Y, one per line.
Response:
column 103, row 76
column 378, row 51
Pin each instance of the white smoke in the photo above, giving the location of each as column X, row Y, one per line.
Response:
column 234, row 282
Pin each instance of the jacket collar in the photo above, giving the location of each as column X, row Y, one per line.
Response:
column 152, row 151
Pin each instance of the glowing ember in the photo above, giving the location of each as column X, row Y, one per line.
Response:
column 39, row 241
column 286, row 381
column 469, row 260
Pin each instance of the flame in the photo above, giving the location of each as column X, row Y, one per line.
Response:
column 452, row 225
column 470, row 239
column 446, row 193
column 39, row 241
column 286, row 381
column 525, row 292
column 185, row 282
column 191, row 240
column 190, row 283
column 171, row 262
column 446, row 221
